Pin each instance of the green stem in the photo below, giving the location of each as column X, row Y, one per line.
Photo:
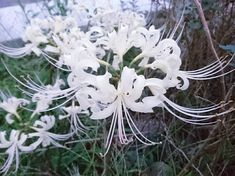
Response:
column 18, row 117
column 104, row 63
column 136, row 59
column 108, row 65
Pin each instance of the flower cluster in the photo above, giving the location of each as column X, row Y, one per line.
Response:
column 100, row 79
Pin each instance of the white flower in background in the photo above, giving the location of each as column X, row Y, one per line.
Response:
column 119, row 42
column 106, row 16
column 42, row 102
column 74, row 171
column 146, row 39
column 34, row 35
column 110, row 19
column 11, row 105
column 62, row 24
column 72, row 114
column 170, row 65
column 44, row 137
column 44, row 94
column 152, row 48
column 13, row 147
column 131, row 19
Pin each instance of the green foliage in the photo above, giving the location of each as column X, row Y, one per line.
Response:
column 229, row 48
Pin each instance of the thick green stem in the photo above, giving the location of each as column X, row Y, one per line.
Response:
column 136, row 59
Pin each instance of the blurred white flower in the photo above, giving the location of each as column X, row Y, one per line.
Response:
column 11, row 105
column 74, row 171
column 119, row 42
column 72, row 115
column 13, row 147
column 44, row 94
column 45, row 137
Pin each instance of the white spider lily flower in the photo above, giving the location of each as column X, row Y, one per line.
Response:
column 11, row 105
column 105, row 101
column 180, row 79
column 46, row 138
column 170, row 65
column 13, row 147
column 73, row 112
column 146, row 40
column 40, row 32
column 111, row 19
column 131, row 19
column 34, row 35
column 118, row 41
column 83, row 59
column 43, row 102
column 162, row 50
column 75, row 53
column 105, row 15
column 61, row 24
column 45, row 95
column 105, row 18
column 44, row 24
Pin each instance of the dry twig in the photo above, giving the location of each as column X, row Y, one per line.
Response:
column 209, row 38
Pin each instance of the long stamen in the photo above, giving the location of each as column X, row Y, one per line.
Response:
column 178, row 24
column 110, row 134
column 49, row 58
column 58, row 106
column 54, row 92
column 33, row 84
column 181, row 33
column 191, row 121
column 208, row 66
column 198, row 110
column 212, row 71
column 211, row 77
column 121, row 129
column 208, row 72
column 16, row 52
column 135, row 129
column 194, row 114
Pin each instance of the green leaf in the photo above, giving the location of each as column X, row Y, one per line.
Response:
column 230, row 48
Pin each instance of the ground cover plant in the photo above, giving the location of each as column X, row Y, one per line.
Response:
column 122, row 96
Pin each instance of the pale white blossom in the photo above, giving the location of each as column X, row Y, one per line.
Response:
column 44, row 137
column 13, row 147
column 44, row 95
column 11, row 105
column 72, row 114
column 106, row 101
